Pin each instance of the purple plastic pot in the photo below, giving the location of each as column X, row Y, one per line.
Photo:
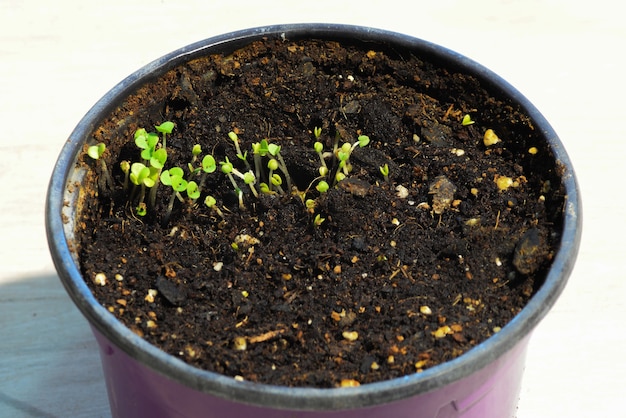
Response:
column 143, row 381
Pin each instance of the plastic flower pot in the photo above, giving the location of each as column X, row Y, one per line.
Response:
column 143, row 381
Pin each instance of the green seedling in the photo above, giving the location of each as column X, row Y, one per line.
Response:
column 242, row 156
column 272, row 166
column 105, row 182
column 229, row 170
column 259, row 150
column 193, row 191
column 467, row 120
column 147, row 142
column 125, row 167
column 165, row 128
column 318, row 220
column 384, row 170
column 142, row 176
column 96, row 151
column 157, row 162
column 317, row 132
column 277, row 182
column 141, row 209
column 319, row 149
column 195, row 152
column 322, row 186
column 265, row 188
column 154, row 156
column 274, row 151
column 174, row 178
column 208, row 166
column 210, row 202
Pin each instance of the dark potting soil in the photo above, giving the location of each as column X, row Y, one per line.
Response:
column 400, row 275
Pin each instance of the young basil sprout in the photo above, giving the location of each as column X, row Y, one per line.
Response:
column 319, row 149
column 105, row 181
column 157, row 162
column 274, row 150
column 193, row 191
column 208, row 166
column 249, row 179
column 384, row 170
column 256, row 155
column 317, row 221
column 242, row 156
column 96, row 151
column 212, row 203
column 317, row 132
column 322, row 186
column 277, row 182
column 125, row 167
column 141, row 209
column 165, row 128
column 272, row 165
column 147, row 142
column 228, row 169
column 142, row 176
column 174, row 177
column 467, row 120
column 195, row 151
column 265, row 188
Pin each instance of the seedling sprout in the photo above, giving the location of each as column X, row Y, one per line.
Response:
column 96, row 152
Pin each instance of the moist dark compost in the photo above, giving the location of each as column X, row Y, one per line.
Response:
column 378, row 277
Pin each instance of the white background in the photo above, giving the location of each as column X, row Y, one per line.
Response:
column 58, row 58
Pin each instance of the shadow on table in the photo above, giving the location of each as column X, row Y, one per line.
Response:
column 49, row 362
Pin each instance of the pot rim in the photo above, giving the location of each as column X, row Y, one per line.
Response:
column 58, row 229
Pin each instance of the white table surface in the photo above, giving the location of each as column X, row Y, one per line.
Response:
column 58, row 58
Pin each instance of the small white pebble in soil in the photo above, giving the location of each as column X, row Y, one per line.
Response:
column 151, row 295
column 100, row 279
column 402, row 192
column 349, row 383
column 472, row 222
column 503, row 182
column 218, row 266
column 490, row 138
column 425, row 310
column 350, row 335
column 458, row 152
column 240, row 344
column 442, row 331
column 119, row 277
